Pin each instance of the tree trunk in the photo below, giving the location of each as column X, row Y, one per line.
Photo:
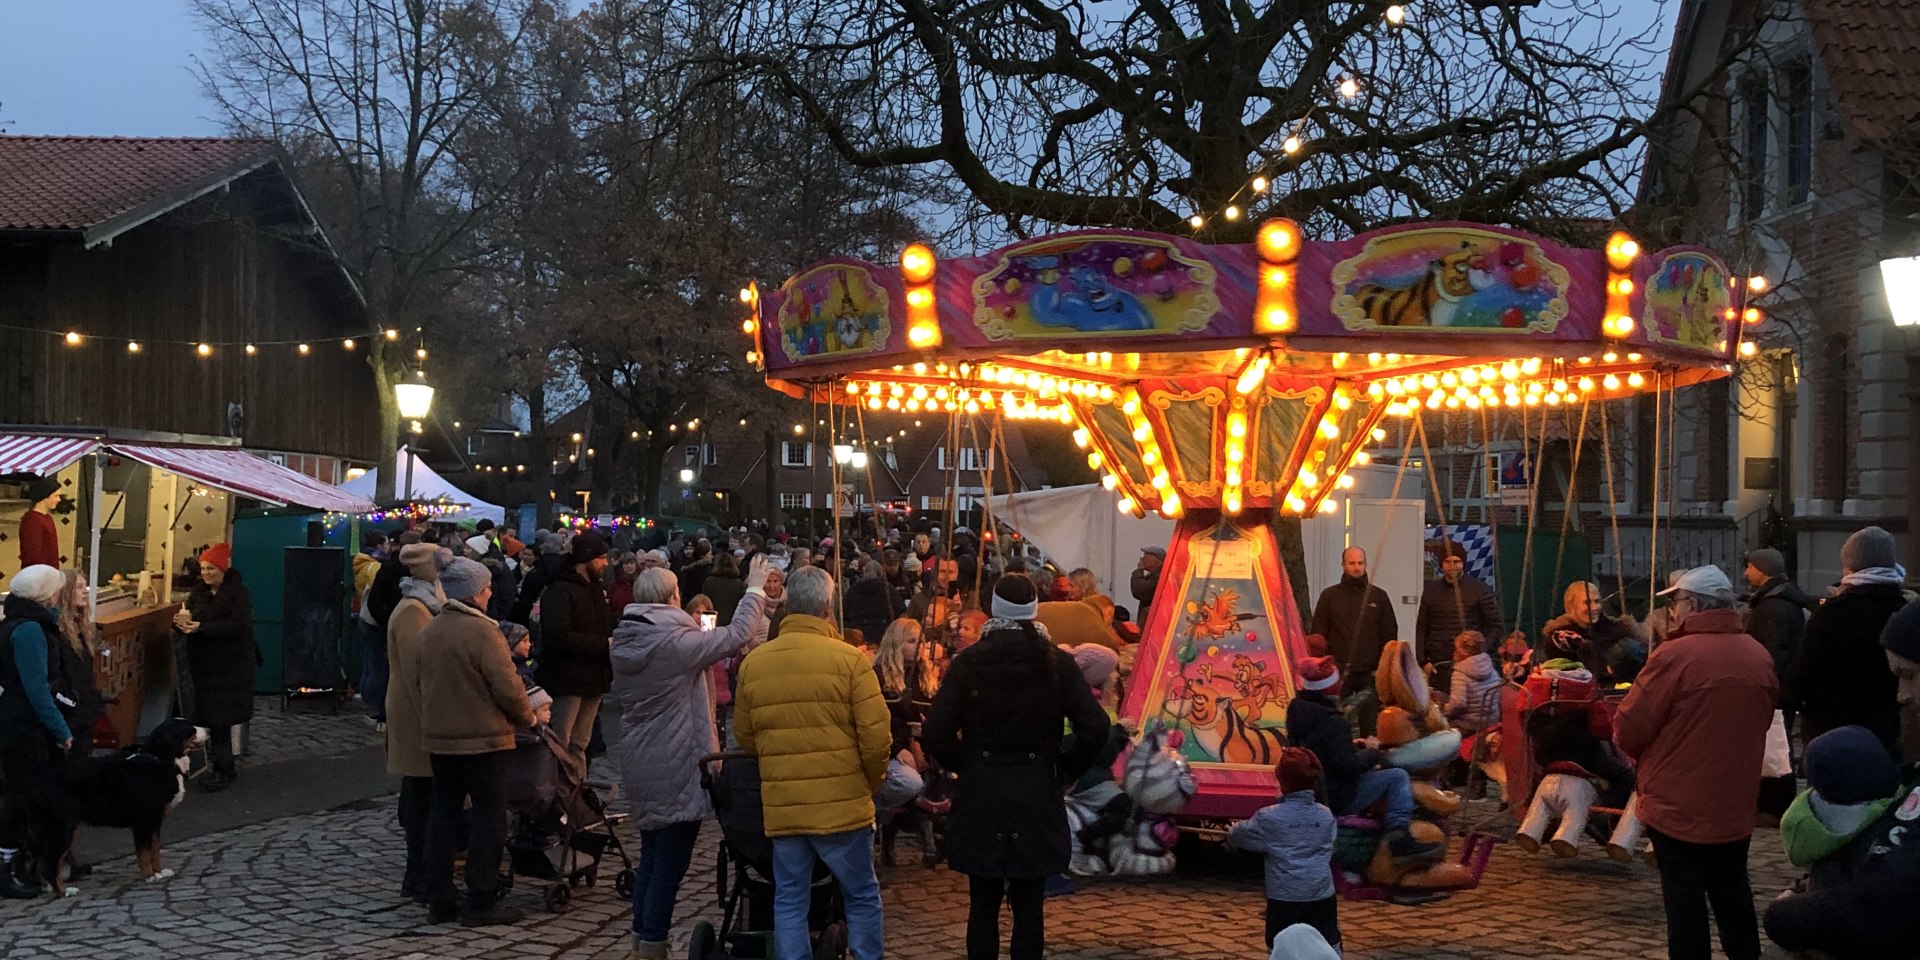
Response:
column 537, row 456
column 1293, row 556
column 386, row 372
column 653, row 458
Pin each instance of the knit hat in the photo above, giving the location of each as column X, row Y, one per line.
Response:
column 512, row 631
column 1868, row 548
column 1849, row 765
column 1317, row 673
column 220, row 555
column 479, row 544
column 463, row 579
column 547, row 542
column 1902, row 633
column 1767, row 560
column 1014, row 598
column 538, row 697
column 422, row 561
column 39, row 583
column 483, row 526
column 1298, row 769
column 910, row 563
column 40, row 488
column 1096, row 662
column 1301, row 942
column 468, row 525
column 587, row 547
column 511, row 547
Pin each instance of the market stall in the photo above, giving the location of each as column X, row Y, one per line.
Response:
column 135, row 508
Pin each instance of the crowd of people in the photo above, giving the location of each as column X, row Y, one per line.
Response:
column 859, row 672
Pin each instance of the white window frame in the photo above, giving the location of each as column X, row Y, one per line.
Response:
column 969, row 458
column 709, row 455
column 787, row 448
column 796, row 501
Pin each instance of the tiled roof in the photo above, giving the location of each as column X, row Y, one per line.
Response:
column 85, row 184
column 1868, row 48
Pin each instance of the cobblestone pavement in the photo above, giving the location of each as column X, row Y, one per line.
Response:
column 325, row 886
column 306, row 729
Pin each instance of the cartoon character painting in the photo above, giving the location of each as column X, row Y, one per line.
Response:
column 1094, row 285
column 1223, row 685
column 1450, row 278
column 833, row 310
column 1687, row 299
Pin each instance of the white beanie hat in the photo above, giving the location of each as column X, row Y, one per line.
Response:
column 39, row 583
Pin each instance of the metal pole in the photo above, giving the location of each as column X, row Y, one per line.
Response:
column 409, row 488
column 165, row 592
column 93, row 546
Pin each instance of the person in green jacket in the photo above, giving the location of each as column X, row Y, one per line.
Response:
column 1831, row 830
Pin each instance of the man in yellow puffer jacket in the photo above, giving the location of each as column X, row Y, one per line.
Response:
column 809, row 707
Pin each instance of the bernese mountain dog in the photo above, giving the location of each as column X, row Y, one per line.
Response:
column 133, row 790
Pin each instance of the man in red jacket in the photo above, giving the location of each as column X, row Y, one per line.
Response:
column 1696, row 722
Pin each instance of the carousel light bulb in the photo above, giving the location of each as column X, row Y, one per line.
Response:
column 1635, row 380
column 1379, row 434
column 1363, row 458
column 1612, row 382
column 1343, row 482
column 1235, row 453
column 1131, row 406
column 1509, row 370
column 1472, row 401
column 1434, row 400
column 1093, row 460
column 1559, row 386
column 1234, row 476
column 1231, row 212
column 1328, row 506
column 1533, row 400
column 304, row 349
column 1309, row 479
column 1127, row 505
column 1452, row 403
column 1236, row 425
column 873, row 403
column 1081, row 438
column 1530, row 366
column 1748, row 348
column 1586, row 384
column 1449, row 380
column 1141, row 432
column 1553, row 399
column 1231, row 504
column 1342, row 402
column 1609, row 357
column 1375, row 391
column 206, row 349
column 1170, row 506
column 1329, row 429
column 893, row 403
column 1109, row 481
column 1429, row 381
column 1296, row 504
column 133, row 346
column 1470, row 376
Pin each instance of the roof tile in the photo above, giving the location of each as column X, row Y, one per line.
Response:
column 1868, row 48
column 74, row 183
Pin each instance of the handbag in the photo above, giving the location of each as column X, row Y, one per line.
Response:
column 1778, row 760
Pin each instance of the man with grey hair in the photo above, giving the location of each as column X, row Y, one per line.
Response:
column 1696, row 723
column 660, row 661
column 809, row 707
column 1842, row 676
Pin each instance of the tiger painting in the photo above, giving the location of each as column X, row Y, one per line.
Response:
column 1434, row 299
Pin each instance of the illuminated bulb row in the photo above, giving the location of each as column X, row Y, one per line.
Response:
column 1234, row 449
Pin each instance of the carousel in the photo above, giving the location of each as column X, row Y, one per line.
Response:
column 1223, row 386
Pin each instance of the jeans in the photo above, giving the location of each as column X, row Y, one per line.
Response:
column 1027, row 897
column 1696, row 875
column 373, row 669
column 574, row 719
column 664, row 856
column 849, row 856
column 457, row 777
column 1391, row 785
column 416, row 809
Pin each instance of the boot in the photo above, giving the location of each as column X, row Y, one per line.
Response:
column 11, row 886
column 1403, row 846
column 1527, row 842
column 647, row 949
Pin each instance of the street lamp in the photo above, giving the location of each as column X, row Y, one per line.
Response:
column 686, row 476
column 858, row 459
column 415, row 400
column 1901, row 276
column 842, row 453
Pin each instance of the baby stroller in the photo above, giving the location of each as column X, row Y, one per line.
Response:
column 560, row 828
column 745, row 874
column 924, row 816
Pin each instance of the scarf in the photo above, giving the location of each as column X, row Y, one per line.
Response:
column 429, row 594
column 1003, row 623
column 463, row 607
column 1875, row 576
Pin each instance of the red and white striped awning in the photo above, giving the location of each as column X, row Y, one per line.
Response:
column 25, row 453
column 238, row 471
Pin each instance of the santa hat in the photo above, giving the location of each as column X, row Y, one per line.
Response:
column 1317, row 673
column 219, row 555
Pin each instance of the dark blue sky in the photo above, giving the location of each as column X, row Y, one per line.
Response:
column 126, row 66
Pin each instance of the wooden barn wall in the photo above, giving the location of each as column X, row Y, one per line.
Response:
column 203, row 273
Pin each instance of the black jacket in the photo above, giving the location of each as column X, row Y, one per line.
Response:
column 996, row 724
column 1842, row 677
column 576, row 633
column 384, row 593
column 1447, row 609
column 221, row 655
column 1593, row 645
column 65, row 674
column 725, row 592
column 1142, row 585
column 1776, row 616
column 505, row 589
column 870, row 607
column 693, row 578
column 1315, row 722
column 534, row 585
column 1868, row 913
column 1357, row 620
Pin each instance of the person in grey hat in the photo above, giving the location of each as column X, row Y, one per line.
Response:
column 470, row 702
column 1776, row 616
column 1842, row 676
column 1146, row 580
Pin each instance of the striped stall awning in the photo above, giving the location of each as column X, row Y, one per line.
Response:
column 237, row 471
column 25, row 453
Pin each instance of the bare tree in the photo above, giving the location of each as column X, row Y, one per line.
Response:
column 376, row 101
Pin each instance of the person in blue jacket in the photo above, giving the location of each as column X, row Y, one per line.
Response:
column 33, row 733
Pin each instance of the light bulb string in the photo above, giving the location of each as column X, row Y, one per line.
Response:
column 166, row 341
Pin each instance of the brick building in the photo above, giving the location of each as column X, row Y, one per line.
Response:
column 1801, row 169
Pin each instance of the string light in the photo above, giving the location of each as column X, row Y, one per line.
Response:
column 303, row 348
column 1290, row 146
column 1259, row 185
column 1197, row 221
column 1349, row 88
column 206, row 350
column 133, row 346
column 73, row 338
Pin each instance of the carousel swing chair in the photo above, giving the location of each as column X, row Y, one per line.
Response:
column 1224, row 386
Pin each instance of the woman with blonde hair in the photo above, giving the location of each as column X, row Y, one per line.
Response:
column 82, row 649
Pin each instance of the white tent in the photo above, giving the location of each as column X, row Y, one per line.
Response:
column 1079, row 527
column 427, row 485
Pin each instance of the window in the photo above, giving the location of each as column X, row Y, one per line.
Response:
column 1754, row 140
column 709, row 457
column 796, row 454
column 475, row 444
column 796, row 501
column 1799, row 106
column 691, row 455
column 1717, row 464
column 969, row 459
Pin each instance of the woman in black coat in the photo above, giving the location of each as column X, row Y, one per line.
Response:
column 221, row 657
column 996, row 724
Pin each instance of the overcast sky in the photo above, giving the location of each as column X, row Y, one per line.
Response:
column 125, row 67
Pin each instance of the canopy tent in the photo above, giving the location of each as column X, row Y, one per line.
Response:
column 427, row 485
column 1078, row 527
column 228, row 468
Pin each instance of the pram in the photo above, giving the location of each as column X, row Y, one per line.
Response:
column 925, row 815
column 560, row 829
column 744, row 869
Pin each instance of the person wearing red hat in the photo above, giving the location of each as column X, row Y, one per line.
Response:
column 217, row 622
column 1355, row 782
column 1296, row 836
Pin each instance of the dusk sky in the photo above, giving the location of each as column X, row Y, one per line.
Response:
column 125, row 67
